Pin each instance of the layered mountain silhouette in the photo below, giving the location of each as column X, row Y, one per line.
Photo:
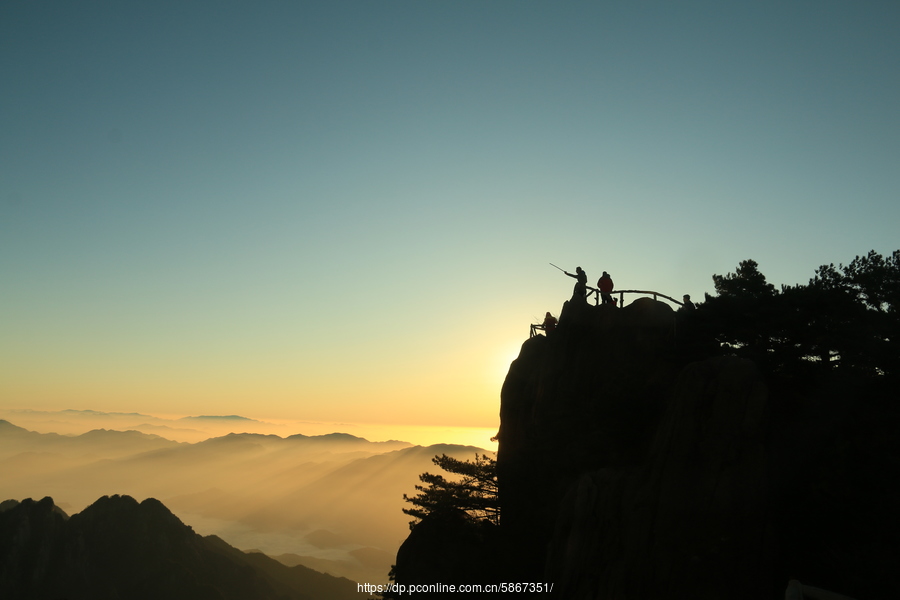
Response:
column 256, row 491
column 119, row 548
column 184, row 429
column 98, row 443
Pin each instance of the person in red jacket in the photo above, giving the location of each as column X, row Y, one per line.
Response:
column 605, row 285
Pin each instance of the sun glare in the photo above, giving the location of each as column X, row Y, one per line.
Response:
column 504, row 358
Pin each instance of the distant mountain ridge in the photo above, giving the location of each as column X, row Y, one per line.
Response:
column 11, row 432
column 119, row 548
column 191, row 428
column 217, row 418
column 112, row 443
column 99, row 413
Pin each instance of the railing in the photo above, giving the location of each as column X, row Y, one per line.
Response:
column 536, row 327
column 621, row 293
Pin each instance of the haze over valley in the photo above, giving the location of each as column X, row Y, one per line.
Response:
column 331, row 502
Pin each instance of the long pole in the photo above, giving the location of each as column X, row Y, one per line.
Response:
column 563, row 270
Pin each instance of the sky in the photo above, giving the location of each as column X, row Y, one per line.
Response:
column 346, row 211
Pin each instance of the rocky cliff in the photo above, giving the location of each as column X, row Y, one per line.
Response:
column 638, row 460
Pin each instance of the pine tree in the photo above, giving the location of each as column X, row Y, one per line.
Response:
column 473, row 493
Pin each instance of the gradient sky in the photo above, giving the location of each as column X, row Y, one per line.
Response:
column 345, row 211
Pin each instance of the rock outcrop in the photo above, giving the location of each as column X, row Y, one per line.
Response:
column 637, row 460
column 693, row 516
column 585, row 398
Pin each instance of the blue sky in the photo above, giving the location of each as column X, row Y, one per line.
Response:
column 346, row 210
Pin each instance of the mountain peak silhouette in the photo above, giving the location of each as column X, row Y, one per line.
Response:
column 121, row 548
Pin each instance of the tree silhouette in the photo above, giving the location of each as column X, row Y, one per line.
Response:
column 846, row 318
column 741, row 316
column 745, row 283
column 473, row 493
column 863, row 301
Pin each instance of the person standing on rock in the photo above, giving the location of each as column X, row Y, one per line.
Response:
column 605, row 285
column 549, row 323
column 580, row 290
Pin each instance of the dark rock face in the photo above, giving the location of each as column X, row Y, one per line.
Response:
column 29, row 552
column 586, row 398
column 448, row 549
column 636, row 461
column 692, row 517
column 119, row 548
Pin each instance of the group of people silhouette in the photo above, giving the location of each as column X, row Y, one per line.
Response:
column 604, row 286
column 603, row 293
column 604, row 290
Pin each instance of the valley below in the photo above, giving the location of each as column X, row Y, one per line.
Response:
column 331, row 502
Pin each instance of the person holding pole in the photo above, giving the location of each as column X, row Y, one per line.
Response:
column 580, row 290
column 580, row 276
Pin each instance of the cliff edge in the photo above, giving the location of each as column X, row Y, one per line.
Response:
column 638, row 460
